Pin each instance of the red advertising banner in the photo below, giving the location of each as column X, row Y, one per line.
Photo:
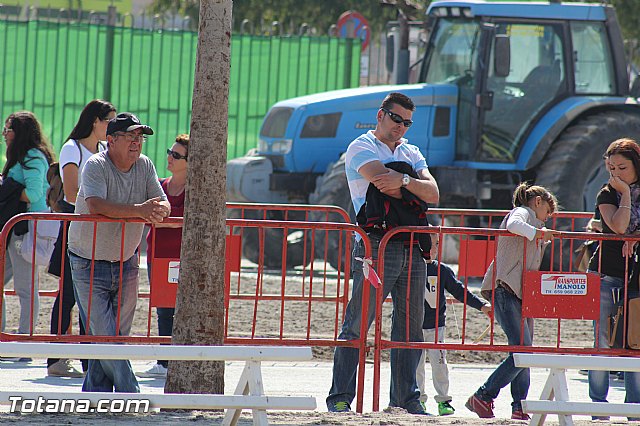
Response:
column 165, row 274
column 561, row 295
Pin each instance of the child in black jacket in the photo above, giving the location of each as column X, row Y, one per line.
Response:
column 437, row 357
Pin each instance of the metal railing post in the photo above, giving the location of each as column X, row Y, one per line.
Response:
column 108, row 52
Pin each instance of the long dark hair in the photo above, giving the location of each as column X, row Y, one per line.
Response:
column 27, row 135
column 97, row 108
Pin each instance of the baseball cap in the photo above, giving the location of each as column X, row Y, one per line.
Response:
column 127, row 122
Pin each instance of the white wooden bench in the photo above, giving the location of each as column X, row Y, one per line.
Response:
column 554, row 398
column 249, row 392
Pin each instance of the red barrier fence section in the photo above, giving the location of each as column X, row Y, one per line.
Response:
column 287, row 211
column 560, row 300
column 298, row 248
column 488, row 218
column 475, row 257
column 165, row 274
column 304, row 286
column 312, row 280
column 37, row 271
column 483, row 248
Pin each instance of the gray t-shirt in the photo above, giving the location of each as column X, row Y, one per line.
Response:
column 101, row 178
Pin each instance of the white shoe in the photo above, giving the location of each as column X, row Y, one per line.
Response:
column 155, row 371
column 63, row 368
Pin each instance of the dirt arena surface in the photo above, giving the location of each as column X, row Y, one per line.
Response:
column 324, row 318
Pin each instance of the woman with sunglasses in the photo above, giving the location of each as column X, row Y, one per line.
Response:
column 28, row 158
column 85, row 139
column 169, row 238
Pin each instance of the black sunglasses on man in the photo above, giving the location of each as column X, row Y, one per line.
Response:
column 397, row 118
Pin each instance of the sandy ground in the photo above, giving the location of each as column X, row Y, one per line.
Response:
column 387, row 418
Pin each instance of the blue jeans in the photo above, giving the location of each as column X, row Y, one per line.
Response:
column 508, row 313
column 404, row 389
column 107, row 375
column 599, row 380
column 165, row 320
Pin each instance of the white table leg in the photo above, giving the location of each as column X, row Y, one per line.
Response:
column 250, row 383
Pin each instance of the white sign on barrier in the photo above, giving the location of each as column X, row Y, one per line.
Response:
column 174, row 272
column 564, row 284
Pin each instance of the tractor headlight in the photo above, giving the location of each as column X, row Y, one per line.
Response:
column 281, row 146
column 262, row 145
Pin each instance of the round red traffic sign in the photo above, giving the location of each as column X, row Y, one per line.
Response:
column 361, row 27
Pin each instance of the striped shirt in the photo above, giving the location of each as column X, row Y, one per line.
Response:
column 367, row 148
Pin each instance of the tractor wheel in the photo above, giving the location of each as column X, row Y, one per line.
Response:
column 573, row 168
column 332, row 189
column 273, row 240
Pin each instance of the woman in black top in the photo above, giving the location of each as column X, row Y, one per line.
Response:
column 619, row 205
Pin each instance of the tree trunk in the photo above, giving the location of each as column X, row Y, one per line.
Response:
column 199, row 316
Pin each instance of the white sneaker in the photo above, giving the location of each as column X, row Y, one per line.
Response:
column 63, row 368
column 157, row 370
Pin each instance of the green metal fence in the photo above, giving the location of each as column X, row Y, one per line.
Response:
column 55, row 68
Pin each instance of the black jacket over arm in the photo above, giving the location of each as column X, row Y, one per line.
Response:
column 10, row 204
column 380, row 212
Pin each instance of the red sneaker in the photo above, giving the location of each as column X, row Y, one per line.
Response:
column 520, row 415
column 484, row 409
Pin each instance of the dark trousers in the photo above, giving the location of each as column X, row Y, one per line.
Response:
column 165, row 327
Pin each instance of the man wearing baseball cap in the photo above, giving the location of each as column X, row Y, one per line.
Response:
column 118, row 183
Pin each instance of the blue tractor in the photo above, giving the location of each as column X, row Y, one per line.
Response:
column 507, row 92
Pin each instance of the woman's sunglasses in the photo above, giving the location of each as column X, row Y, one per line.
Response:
column 175, row 155
column 397, row 118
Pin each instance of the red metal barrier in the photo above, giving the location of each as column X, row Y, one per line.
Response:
column 483, row 248
column 548, row 294
column 307, row 286
column 299, row 248
column 65, row 218
column 328, row 213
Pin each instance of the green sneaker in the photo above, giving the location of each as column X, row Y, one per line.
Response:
column 445, row 409
column 339, row 407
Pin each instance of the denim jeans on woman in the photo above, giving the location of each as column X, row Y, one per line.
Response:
column 508, row 313
column 599, row 380
column 107, row 375
column 404, row 390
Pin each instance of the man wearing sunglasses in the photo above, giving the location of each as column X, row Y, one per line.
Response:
column 365, row 164
column 118, row 183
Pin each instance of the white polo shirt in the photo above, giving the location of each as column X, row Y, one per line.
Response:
column 367, row 148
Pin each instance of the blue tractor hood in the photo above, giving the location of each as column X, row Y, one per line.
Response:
column 321, row 126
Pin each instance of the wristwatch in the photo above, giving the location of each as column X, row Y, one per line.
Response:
column 405, row 179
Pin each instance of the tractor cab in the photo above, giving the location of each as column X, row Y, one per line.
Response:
column 512, row 70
